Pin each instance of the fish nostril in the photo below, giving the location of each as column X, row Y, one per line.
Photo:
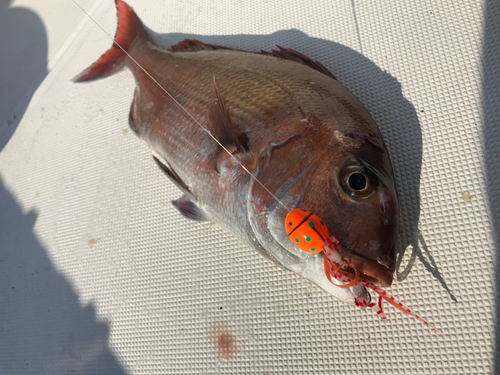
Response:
column 374, row 245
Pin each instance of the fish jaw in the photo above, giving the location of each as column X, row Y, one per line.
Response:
column 309, row 266
column 368, row 267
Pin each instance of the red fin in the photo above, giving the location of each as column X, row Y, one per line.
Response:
column 130, row 32
column 192, row 45
column 291, row 54
column 220, row 123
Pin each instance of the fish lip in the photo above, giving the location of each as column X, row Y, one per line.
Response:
column 367, row 266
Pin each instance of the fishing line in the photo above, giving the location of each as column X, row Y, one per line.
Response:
column 184, row 109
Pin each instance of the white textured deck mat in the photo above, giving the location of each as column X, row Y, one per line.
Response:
column 100, row 275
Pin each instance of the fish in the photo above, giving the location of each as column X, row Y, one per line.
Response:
column 248, row 137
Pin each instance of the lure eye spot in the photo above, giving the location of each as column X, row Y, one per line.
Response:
column 290, row 223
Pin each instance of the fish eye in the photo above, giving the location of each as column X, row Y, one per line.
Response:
column 357, row 182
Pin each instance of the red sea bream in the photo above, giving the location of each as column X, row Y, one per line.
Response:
column 305, row 139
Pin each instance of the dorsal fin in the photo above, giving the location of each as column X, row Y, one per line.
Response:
column 192, row 45
column 291, row 54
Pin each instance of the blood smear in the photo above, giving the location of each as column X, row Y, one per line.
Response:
column 222, row 341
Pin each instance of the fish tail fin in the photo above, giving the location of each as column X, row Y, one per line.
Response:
column 130, row 33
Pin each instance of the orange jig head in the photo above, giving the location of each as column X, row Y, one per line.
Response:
column 306, row 230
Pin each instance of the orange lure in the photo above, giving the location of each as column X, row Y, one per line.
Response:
column 308, row 232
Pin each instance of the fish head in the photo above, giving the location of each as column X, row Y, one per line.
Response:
column 350, row 186
column 353, row 191
column 361, row 207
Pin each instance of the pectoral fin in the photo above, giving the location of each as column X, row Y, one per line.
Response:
column 189, row 210
column 219, row 123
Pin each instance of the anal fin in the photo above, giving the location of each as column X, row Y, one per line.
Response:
column 189, row 210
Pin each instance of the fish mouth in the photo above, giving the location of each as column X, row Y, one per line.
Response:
column 367, row 266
